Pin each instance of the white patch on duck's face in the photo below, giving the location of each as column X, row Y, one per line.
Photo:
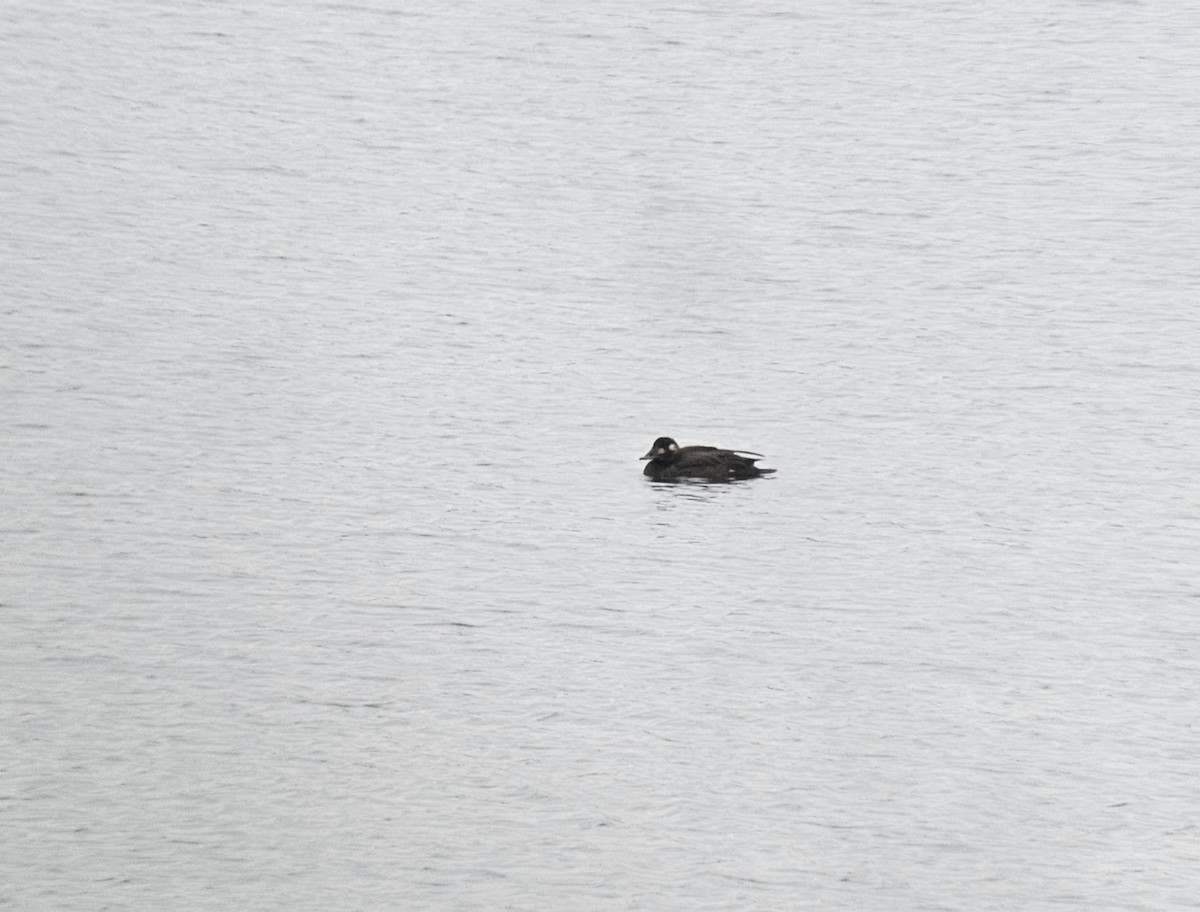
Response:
column 672, row 447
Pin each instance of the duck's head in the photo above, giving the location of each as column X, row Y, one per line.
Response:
column 662, row 446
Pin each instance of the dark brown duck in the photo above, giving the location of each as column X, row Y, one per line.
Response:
column 669, row 462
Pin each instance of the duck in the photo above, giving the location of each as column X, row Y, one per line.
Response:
column 669, row 462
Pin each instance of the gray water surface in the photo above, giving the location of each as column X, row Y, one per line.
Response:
column 330, row 336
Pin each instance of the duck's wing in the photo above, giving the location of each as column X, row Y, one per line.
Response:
column 698, row 457
column 728, row 454
column 706, row 457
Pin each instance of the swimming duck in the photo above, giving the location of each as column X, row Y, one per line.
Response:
column 669, row 461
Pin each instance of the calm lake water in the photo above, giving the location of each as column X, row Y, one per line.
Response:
column 330, row 336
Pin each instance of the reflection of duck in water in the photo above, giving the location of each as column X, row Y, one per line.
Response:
column 669, row 461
